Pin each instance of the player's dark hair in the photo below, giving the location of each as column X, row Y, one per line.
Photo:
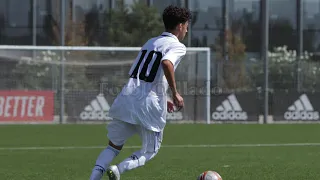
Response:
column 173, row 15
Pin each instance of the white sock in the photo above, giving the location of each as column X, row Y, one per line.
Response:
column 103, row 162
column 137, row 159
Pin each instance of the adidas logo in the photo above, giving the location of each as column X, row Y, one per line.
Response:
column 230, row 109
column 97, row 110
column 301, row 110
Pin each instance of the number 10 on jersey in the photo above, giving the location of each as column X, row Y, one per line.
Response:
column 145, row 66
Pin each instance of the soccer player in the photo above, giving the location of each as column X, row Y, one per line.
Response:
column 142, row 105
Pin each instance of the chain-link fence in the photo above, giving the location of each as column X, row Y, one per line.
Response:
column 93, row 77
column 214, row 91
column 293, row 90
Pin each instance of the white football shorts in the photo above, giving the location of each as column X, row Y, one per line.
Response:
column 119, row 131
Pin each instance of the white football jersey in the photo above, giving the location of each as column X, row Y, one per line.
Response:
column 143, row 100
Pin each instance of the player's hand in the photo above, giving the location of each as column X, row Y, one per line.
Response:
column 170, row 106
column 178, row 101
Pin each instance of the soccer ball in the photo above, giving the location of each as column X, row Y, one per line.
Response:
column 209, row 175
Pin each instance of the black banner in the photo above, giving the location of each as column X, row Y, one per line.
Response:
column 295, row 106
column 88, row 106
column 235, row 107
column 92, row 106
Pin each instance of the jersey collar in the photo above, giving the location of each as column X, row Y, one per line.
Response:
column 170, row 35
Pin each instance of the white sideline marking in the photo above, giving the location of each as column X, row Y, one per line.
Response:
column 163, row 146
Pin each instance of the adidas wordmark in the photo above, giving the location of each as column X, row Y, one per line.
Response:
column 98, row 109
column 174, row 116
column 301, row 109
column 230, row 109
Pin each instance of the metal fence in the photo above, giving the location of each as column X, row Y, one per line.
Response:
column 86, row 81
column 38, row 86
column 293, row 91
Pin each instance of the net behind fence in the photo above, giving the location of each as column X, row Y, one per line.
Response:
column 92, row 79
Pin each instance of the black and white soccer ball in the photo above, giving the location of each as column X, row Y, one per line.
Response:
column 209, row 175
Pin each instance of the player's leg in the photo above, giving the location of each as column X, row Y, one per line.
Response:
column 151, row 142
column 118, row 133
column 104, row 159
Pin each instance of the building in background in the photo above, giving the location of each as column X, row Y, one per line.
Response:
column 22, row 23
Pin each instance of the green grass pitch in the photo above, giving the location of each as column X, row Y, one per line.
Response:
column 301, row 162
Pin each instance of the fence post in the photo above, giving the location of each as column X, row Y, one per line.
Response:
column 299, row 42
column 208, row 86
column 62, row 27
column 225, row 12
column 264, row 54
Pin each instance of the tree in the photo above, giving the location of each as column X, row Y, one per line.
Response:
column 92, row 26
column 282, row 32
column 233, row 75
column 74, row 33
column 42, row 70
column 283, row 70
column 131, row 26
column 124, row 26
column 249, row 30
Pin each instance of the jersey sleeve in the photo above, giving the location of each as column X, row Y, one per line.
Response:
column 174, row 53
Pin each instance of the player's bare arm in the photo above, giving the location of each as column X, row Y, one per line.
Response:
column 169, row 73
